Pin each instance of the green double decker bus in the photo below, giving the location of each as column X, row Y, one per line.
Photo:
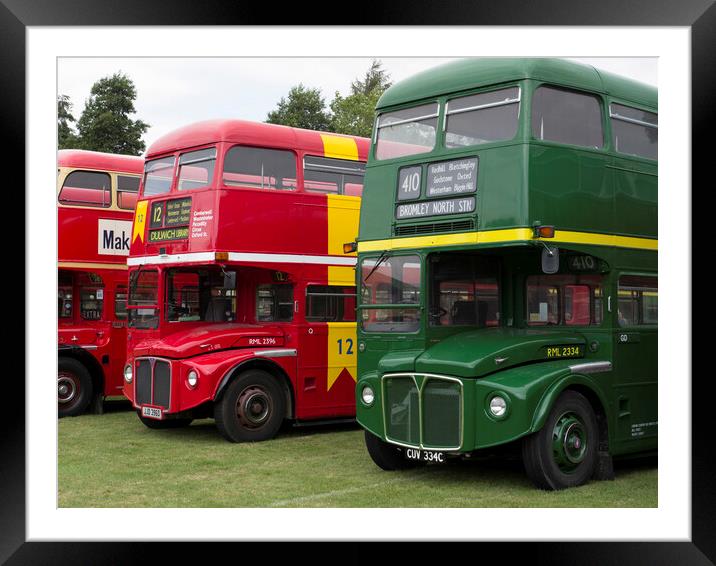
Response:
column 508, row 269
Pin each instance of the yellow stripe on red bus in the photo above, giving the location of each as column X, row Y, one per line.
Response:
column 339, row 147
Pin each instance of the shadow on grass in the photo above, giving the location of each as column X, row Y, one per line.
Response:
column 205, row 430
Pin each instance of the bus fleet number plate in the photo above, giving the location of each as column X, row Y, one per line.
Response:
column 151, row 412
column 425, row 455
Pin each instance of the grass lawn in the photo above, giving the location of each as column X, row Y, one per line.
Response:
column 112, row 460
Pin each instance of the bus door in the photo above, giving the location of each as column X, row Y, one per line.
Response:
column 327, row 363
column 117, row 314
column 635, row 357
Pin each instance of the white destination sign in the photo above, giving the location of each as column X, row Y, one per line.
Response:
column 113, row 236
column 435, row 208
column 452, row 177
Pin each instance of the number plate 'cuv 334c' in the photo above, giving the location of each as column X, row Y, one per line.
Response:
column 425, row 455
column 152, row 412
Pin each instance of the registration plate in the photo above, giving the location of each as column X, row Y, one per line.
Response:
column 152, row 412
column 425, row 455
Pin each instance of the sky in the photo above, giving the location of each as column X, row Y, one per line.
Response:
column 173, row 92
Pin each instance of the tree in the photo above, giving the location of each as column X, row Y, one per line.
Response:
column 375, row 78
column 105, row 123
column 66, row 137
column 354, row 114
column 303, row 108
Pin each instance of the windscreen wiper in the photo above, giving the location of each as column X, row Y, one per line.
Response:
column 381, row 258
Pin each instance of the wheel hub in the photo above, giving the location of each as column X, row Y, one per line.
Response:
column 569, row 442
column 253, row 407
column 67, row 387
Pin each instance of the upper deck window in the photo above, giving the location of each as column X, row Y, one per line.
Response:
column 634, row 131
column 127, row 191
column 87, row 188
column 196, row 169
column 482, row 118
column 406, row 132
column 565, row 116
column 336, row 176
column 158, row 176
column 259, row 167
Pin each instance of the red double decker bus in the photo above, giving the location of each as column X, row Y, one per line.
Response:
column 241, row 300
column 96, row 195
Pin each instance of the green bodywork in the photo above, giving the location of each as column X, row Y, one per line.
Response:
column 522, row 182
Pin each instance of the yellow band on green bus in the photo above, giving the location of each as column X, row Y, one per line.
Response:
column 511, row 235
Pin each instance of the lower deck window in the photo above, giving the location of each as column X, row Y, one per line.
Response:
column 206, row 295
column 274, row 303
column 464, row 290
column 638, row 300
column 330, row 303
column 568, row 300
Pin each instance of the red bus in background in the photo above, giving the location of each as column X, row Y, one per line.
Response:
column 241, row 300
column 96, row 195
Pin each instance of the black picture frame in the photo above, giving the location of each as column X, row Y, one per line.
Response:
column 698, row 15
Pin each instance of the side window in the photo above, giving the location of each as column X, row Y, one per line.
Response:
column 482, row 118
column 274, row 303
column 120, row 302
column 336, row 176
column 570, row 300
column 568, row 117
column 330, row 303
column 542, row 303
column 127, row 191
column 64, row 295
column 91, row 303
column 634, row 132
column 86, row 188
column 259, row 167
column 638, row 300
column 196, row 169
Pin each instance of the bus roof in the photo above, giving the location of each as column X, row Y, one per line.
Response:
column 250, row 133
column 476, row 72
column 83, row 159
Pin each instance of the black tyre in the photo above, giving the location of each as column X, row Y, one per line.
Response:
column 74, row 387
column 386, row 456
column 252, row 408
column 163, row 424
column 564, row 452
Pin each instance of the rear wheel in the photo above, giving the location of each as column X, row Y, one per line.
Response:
column 386, row 456
column 74, row 387
column 564, row 452
column 252, row 408
column 163, row 424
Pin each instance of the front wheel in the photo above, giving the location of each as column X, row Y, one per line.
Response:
column 74, row 387
column 386, row 456
column 252, row 408
column 564, row 452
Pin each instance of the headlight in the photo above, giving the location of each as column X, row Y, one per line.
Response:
column 367, row 395
column 191, row 378
column 498, row 406
column 128, row 373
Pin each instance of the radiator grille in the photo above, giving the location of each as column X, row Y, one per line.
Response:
column 152, row 382
column 434, row 227
column 143, row 383
column 429, row 416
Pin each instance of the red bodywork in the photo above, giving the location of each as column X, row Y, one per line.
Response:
column 267, row 236
column 92, row 250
